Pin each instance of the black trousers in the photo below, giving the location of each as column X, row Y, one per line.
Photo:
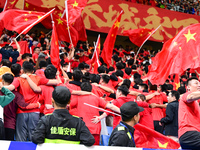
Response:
column 190, row 140
column 9, row 134
column 2, row 130
column 157, row 127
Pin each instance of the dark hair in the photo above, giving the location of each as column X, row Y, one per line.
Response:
column 42, row 64
column 101, row 69
column 25, row 55
column 134, row 67
column 119, row 73
column 27, row 67
column 192, row 78
column 86, row 66
column 169, row 87
column 119, row 66
column 128, row 71
column 145, row 86
column 105, row 78
column 142, row 97
column 136, row 75
column 123, row 89
column 86, row 86
column 182, row 90
column 7, row 77
column 127, row 82
column 111, row 69
column 138, row 81
column 50, row 72
column 6, row 62
column 81, row 66
column 86, row 77
column 16, row 68
column 94, row 78
column 130, row 62
column 77, row 75
column 176, row 94
column 153, row 87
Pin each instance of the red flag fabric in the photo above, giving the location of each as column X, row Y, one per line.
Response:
column 80, row 28
column 62, row 30
column 138, row 36
column 23, row 45
column 165, row 38
column 177, row 55
column 148, row 138
column 55, row 58
column 75, row 8
column 10, row 4
column 19, row 20
column 110, row 41
column 176, row 82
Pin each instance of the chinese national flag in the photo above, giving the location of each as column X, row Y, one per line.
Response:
column 148, row 138
column 20, row 20
column 80, row 28
column 110, row 41
column 10, row 4
column 165, row 38
column 138, row 36
column 176, row 82
column 62, row 30
column 55, row 58
column 177, row 55
column 23, row 45
column 75, row 8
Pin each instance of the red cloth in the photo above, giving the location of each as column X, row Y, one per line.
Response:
column 80, row 28
column 138, row 36
column 23, row 45
column 97, row 91
column 29, row 95
column 188, row 115
column 110, row 41
column 157, row 113
column 147, row 138
column 22, row 21
column 55, row 57
column 10, row 4
column 35, row 57
column 174, row 57
column 75, row 8
column 40, row 73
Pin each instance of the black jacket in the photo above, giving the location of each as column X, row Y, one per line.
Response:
column 120, row 136
column 61, row 127
column 171, row 119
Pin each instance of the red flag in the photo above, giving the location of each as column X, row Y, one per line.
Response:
column 75, row 8
column 176, row 82
column 55, row 58
column 80, row 28
column 23, row 45
column 10, row 4
column 177, row 55
column 165, row 38
column 148, row 138
column 110, row 41
column 21, row 21
column 62, row 30
column 138, row 36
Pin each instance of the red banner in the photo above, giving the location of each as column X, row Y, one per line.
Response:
column 99, row 15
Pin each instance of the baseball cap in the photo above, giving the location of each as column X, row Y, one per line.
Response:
column 129, row 110
column 61, row 94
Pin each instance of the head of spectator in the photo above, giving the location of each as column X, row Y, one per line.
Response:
column 16, row 69
column 81, row 66
column 127, row 82
column 50, row 72
column 26, row 57
column 130, row 112
column 182, row 90
column 77, row 75
column 60, row 97
column 122, row 91
column 141, row 97
column 119, row 73
column 143, row 87
column 6, row 62
column 95, row 78
column 119, row 66
column 104, row 79
column 36, row 50
column 86, row 86
column 86, row 67
column 7, row 79
column 27, row 67
column 42, row 64
column 128, row 71
column 193, row 84
column 173, row 96
column 101, row 69
column 86, row 77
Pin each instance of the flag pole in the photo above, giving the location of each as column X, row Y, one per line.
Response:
column 102, row 109
column 23, row 4
column 66, row 10
column 4, row 8
column 145, row 41
column 34, row 23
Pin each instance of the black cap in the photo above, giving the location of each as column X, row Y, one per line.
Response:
column 129, row 110
column 61, row 94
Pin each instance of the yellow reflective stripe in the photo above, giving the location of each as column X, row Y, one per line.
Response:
column 121, row 128
column 129, row 135
column 60, row 141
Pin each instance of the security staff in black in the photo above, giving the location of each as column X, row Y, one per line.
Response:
column 61, row 127
column 123, row 134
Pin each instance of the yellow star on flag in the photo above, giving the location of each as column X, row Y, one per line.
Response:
column 29, row 12
column 149, row 32
column 39, row 17
column 60, row 14
column 112, row 35
column 141, row 34
column 27, row 5
column 75, row 4
column 68, row 28
column 12, row 2
column 180, row 48
column 26, row 19
column 175, row 43
column 56, row 42
column 190, row 36
column 99, row 47
column 25, row 14
column 162, row 145
column 177, row 85
column 116, row 24
column 59, row 21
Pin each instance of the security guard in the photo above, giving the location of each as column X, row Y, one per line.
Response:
column 122, row 135
column 61, row 127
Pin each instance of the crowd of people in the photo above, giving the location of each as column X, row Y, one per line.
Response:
column 185, row 6
column 52, row 104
